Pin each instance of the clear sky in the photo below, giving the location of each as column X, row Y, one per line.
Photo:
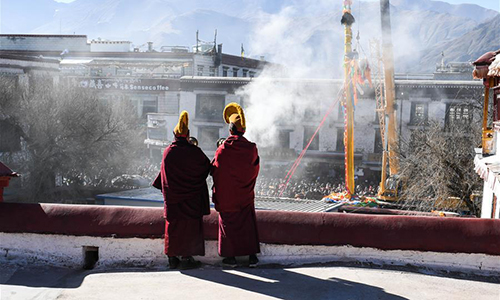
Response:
column 493, row 4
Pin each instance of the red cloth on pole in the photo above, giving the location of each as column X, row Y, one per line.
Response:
column 183, row 182
column 234, row 169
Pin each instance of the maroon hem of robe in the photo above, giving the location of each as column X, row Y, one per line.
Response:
column 238, row 235
column 183, row 234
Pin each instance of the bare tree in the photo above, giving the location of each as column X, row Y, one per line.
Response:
column 68, row 135
column 437, row 168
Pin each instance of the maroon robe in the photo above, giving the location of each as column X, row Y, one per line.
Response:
column 182, row 178
column 234, row 169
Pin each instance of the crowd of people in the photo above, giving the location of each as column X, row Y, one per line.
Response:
column 305, row 188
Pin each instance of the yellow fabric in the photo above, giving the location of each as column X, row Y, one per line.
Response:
column 349, row 124
column 182, row 126
column 233, row 113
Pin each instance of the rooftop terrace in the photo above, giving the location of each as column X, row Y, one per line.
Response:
column 213, row 282
column 303, row 256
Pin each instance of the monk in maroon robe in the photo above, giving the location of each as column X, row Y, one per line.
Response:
column 182, row 180
column 234, row 169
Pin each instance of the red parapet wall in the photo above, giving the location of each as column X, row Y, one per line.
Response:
column 452, row 235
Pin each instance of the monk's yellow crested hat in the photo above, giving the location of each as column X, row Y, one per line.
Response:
column 233, row 113
column 182, row 129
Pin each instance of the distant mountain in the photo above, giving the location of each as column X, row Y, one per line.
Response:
column 468, row 11
column 282, row 30
column 484, row 38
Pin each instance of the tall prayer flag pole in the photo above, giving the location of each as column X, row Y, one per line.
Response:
column 347, row 21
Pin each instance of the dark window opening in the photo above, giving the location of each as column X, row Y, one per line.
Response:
column 458, row 114
column 419, row 113
column 209, row 107
column 284, row 139
column 308, row 133
column 378, row 147
column 149, row 106
column 340, row 140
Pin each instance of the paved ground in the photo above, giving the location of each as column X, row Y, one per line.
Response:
column 211, row 282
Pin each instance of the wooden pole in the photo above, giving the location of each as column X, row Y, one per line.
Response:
column 349, row 108
column 487, row 134
column 390, row 91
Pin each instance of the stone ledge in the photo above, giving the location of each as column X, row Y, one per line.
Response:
column 449, row 235
column 67, row 251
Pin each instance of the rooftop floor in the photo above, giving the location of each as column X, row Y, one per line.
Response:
column 213, row 282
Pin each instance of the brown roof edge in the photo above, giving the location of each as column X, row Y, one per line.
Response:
column 243, row 61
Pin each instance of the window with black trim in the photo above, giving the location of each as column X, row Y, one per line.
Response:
column 378, row 147
column 308, row 133
column 339, row 146
column 419, row 113
column 458, row 113
column 209, row 107
column 149, row 106
column 284, row 139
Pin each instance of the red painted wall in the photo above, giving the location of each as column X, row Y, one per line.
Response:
column 376, row 231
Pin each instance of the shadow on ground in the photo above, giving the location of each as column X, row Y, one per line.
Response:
column 56, row 277
column 287, row 284
column 275, row 282
column 269, row 280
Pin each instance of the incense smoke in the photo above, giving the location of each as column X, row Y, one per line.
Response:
column 306, row 41
column 293, row 92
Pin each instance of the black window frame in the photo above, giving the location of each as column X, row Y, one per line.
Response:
column 378, row 146
column 216, row 114
column 414, row 120
column 455, row 113
column 339, row 143
column 308, row 132
column 198, row 72
column 284, row 138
